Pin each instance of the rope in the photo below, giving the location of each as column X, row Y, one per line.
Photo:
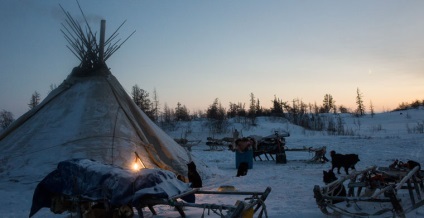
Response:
column 333, row 188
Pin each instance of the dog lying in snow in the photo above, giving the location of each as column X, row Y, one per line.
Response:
column 343, row 160
column 336, row 189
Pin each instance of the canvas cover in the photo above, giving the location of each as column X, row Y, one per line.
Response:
column 89, row 116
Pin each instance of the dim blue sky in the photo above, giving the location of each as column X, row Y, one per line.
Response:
column 195, row 51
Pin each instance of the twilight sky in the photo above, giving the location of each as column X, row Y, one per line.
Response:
column 195, row 51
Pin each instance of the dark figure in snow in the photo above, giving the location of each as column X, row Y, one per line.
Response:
column 343, row 160
column 235, row 134
column 235, row 137
column 410, row 164
column 193, row 176
column 336, row 189
column 242, row 169
column 243, row 145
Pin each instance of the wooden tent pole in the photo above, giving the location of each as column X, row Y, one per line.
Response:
column 102, row 40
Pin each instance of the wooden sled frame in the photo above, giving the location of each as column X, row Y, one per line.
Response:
column 187, row 143
column 319, row 153
column 219, row 144
column 255, row 202
column 409, row 180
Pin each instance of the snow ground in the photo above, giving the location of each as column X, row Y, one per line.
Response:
column 378, row 140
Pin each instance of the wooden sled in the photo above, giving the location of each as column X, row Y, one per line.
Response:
column 81, row 207
column 319, row 155
column 219, row 144
column 243, row 208
column 374, row 192
column 271, row 145
column 187, row 143
column 269, row 151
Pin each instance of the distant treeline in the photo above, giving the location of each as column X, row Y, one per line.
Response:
column 324, row 117
column 413, row 105
column 296, row 111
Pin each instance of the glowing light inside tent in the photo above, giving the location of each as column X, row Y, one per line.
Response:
column 138, row 164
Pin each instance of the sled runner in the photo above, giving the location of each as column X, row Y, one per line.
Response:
column 243, row 208
column 375, row 191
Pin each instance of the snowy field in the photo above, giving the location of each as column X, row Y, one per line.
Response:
column 378, row 140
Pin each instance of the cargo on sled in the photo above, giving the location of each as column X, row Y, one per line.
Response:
column 86, row 188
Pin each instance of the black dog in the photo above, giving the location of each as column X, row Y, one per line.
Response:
column 343, row 160
column 193, row 176
column 410, row 164
column 336, row 189
column 242, row 169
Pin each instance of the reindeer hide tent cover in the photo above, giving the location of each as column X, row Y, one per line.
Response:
column 89, row 115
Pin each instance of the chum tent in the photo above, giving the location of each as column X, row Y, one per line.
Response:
column 90, row 115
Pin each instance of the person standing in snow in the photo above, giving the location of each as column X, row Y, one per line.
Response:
column 235, row 137
column 244, row 145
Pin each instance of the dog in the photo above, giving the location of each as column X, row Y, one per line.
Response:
column 193, row 176
column 410, row 164
column 343, row 160
column 242, row 169
column 336, row 189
